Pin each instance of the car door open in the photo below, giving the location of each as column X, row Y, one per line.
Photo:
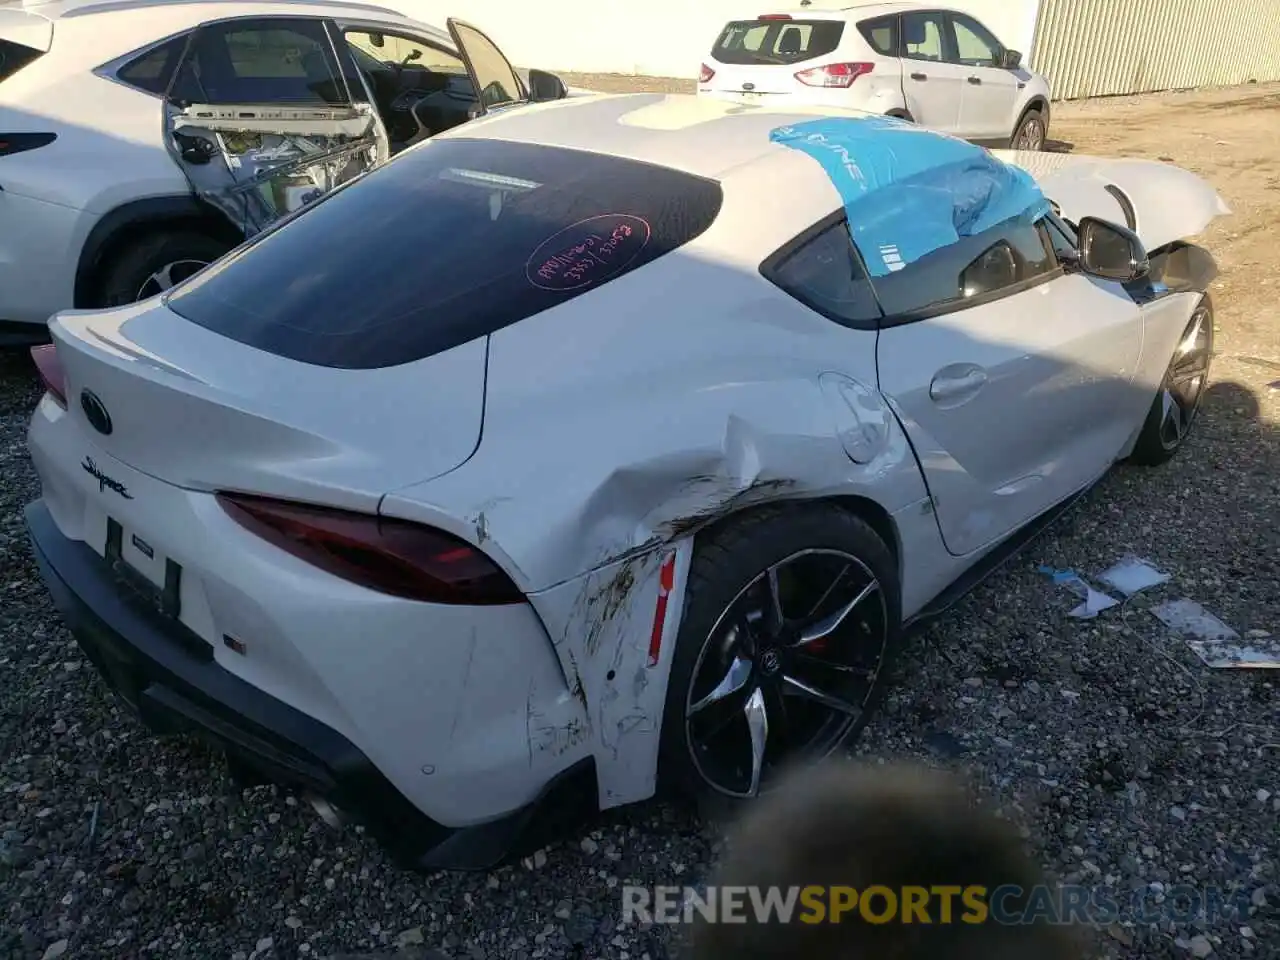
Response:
column 263, row 121
column 497, row 84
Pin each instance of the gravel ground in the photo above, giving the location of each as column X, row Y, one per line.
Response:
column 1128, row 762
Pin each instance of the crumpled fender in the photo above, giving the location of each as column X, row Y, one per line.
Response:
column 1168, row 203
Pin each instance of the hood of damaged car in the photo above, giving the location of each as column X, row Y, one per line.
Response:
column 1160, row 202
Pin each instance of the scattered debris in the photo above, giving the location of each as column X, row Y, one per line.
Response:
column 1133, row 575
column 1215, row 643
column 1095, row 601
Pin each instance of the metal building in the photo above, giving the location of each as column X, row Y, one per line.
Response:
column 1090, row 48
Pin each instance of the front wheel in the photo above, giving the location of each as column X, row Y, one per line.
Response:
column 1177, row 403
column 1031, row 134
column 791, row 619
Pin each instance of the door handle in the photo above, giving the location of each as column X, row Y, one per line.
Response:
column 976, row 81
column 953, row 386
column 919, row 76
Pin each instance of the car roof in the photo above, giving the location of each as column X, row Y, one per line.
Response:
column 699, row 135
column 200, row 10
column 852, row 11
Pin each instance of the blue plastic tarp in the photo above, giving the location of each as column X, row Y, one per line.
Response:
column 909, row 191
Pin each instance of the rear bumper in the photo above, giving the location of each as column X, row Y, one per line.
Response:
column 148, row 660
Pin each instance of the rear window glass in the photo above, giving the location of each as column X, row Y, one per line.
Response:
column 881, row 35
column 777, row 41
column 448, row 242
column 13, row 57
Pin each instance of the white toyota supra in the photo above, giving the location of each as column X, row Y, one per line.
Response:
column 599, row 447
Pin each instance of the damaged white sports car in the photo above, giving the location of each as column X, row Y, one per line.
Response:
column 601, row 445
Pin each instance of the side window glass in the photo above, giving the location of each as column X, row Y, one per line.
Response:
column 1001, row 258
column 262, row 61
column 498, row 83
column 154, row 69
column 882, row 35
column 922, row 36
column 392, row 50
column 826, row 275
column 975, row 46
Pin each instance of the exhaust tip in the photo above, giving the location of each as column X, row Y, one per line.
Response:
column 326, row 811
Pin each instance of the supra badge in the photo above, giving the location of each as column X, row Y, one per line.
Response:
column 105, row 482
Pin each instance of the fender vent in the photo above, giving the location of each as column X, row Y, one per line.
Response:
column 1130, row 215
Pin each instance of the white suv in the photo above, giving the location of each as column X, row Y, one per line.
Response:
column 940, row 68
column 140, row 140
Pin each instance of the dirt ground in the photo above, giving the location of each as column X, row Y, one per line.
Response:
column 1230, row 136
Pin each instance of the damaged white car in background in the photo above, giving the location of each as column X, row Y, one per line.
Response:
column 566, row 455
column 141, row 140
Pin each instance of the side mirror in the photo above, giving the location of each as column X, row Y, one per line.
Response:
column 546, row 86
column 377, row 40
column 1111, row 251
column 1011, row 60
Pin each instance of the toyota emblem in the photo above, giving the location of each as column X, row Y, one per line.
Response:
column 748, row 86
column 95, row 412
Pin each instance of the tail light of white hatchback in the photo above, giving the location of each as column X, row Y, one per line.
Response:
column 834, row 74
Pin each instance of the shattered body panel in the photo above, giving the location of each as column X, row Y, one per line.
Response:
column 258, row 163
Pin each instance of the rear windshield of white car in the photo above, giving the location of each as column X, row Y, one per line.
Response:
column 13, row 57
column 448, row 242
column 759, row 42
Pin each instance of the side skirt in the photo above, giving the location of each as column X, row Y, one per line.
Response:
column 996, row 558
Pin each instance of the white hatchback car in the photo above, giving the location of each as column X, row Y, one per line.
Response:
column 142, row 139
column 941, row 68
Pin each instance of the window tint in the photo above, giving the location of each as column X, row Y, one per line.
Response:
column 975, row 46
column 417, row 54
column 776, row 41
column 497, row 82
column 448, row 242
column 922, row 36
column 14, row 56
column 826, row 273
column 882, row 35
column 153, row 70
column 278, row 60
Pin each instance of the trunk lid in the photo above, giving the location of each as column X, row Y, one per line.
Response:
column 204, row 412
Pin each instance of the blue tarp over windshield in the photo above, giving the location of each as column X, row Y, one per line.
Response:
column 908, row 191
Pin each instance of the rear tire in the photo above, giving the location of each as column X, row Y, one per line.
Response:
column 729, row 616
column 1031, row 134
column 153, row 263
column 1174, row 410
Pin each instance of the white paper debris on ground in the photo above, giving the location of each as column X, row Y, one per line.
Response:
column 1215, row 643
column 1095, row 601
column 1133, row 575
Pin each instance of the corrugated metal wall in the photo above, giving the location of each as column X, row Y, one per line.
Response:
column 1091, row 48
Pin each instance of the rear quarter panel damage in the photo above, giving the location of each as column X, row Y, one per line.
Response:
column 616, row 431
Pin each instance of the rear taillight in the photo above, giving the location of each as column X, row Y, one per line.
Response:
column 11, row 143
column 705, row 74
column 391, row 556
column 50, row 369
column 834, row 74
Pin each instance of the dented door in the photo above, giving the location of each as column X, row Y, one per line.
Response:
column 263, row 119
